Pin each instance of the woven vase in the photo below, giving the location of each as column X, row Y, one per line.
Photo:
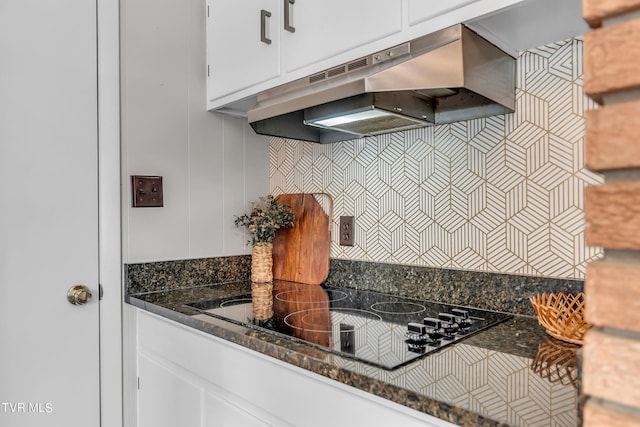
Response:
column 262, row 262
column 262, row 300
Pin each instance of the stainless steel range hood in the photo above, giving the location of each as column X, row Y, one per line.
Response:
column 444, row 77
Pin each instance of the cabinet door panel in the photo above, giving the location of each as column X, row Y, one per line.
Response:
column 221, row 412
column 166, row 398
column 327, row 28
column 192, row 373
column 420, row 10
column 236, row 56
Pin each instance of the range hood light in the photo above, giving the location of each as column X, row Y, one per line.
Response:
column 347, row 118
column 368, row 114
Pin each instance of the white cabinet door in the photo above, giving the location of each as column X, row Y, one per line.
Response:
column 326, row 28
column 237, row 57
column 188, row 378
column 166, row 397
column 171, row 396
column 420, row 10
column 426, row 16
column 219, row 411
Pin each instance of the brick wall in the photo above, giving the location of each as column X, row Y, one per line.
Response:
column 611, row 363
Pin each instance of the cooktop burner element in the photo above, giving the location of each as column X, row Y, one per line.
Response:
column 379, row 329
column 304, row 296
column 396, row 307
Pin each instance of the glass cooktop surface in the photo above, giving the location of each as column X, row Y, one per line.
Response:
column 383, row 330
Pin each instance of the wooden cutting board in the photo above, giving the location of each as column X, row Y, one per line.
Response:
column 301, row 253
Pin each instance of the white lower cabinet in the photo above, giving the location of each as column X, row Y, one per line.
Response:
column 170, row 396
column 189, row 378
column 167, row 397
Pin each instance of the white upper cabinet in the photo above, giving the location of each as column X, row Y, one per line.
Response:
column 420, row 10
column 326, row 28
column 252, row 41
column 255, row 45
column 243, row 44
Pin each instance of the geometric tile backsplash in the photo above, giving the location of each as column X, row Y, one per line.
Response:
column 501, row 194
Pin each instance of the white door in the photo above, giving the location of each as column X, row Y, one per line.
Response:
column 49, row 353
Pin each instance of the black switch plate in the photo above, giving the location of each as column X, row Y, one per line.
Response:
column 146, row 191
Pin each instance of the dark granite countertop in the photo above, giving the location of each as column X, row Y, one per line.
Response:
column 512, row 374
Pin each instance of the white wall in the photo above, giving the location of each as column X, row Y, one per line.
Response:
column 211, row 165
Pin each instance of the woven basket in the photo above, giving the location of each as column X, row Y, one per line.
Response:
column 557, row 362
column 562, row 315
column 262, row 262
column 262, row 300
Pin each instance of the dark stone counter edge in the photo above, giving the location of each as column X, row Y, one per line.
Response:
column 299, row 355
column 486, row 290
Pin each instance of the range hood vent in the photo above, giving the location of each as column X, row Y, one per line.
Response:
column 444, row 77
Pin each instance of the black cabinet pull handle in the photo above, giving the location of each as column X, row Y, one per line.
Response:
column 287, row 16
column 264, row 14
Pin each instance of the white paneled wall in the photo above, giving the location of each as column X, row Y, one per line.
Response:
column 210, row 164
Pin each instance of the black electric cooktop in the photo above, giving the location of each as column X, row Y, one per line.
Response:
column 379, row 329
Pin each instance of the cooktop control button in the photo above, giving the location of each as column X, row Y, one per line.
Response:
column 432, row 323
column 462, row 317
column 449, row 325
column 417, row 327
